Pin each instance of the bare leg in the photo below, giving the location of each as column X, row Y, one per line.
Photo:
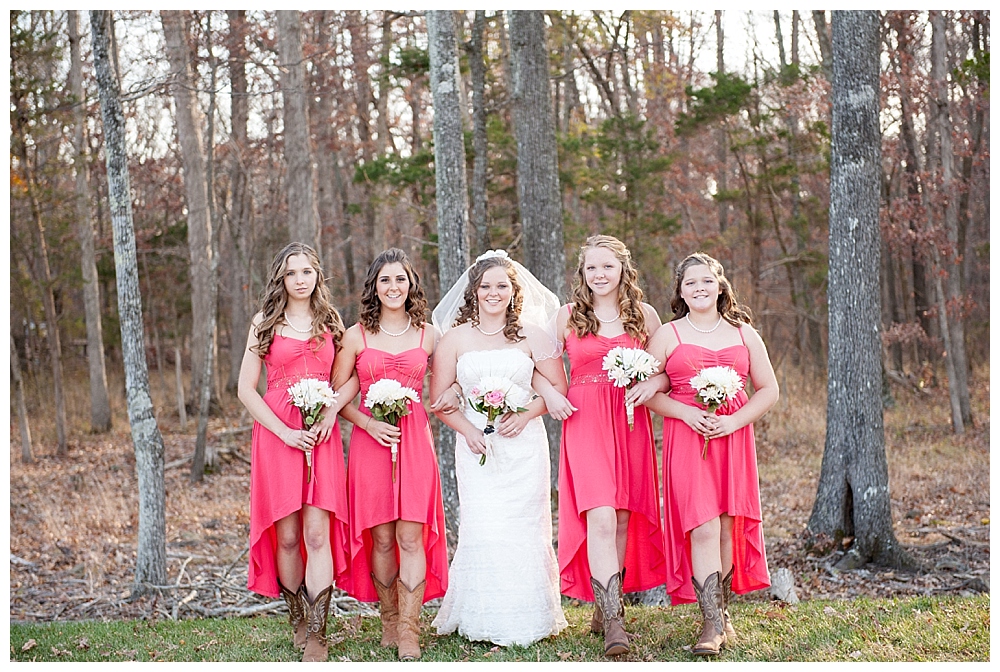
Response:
column 384, row 563
column 726, row 542
column 621, row 534
column 316, row 534
column 602, row 547
column 291, row 568
column 412, row 559
column 706, row 552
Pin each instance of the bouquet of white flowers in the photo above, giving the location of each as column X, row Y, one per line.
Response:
column 389, row 401
column 716, row 386
column 493, row 397
column 626, row 367
column 311, row 396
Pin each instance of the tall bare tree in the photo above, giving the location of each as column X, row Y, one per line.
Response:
column 303, row 215
column 151, row 556
column 477, row 68
column 452, row 201
column 20, row 400
column 100, row 403
column 853, row 494
column 201, row 262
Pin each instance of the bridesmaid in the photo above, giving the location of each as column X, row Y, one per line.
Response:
column 298, row 523
column 610, row 538
column 714, row 539
column 398, row 550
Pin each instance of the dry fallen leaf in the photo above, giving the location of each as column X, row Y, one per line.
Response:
column 29, row 645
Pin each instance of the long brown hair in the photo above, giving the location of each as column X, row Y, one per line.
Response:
column 274, row 299
column 729, row 307
column 582, row 318
column 371, row 307
column 469, row 312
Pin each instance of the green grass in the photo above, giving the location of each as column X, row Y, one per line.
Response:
column 910, row 629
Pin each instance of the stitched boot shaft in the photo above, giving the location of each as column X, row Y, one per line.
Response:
column 727, row 598
column 316, row 614
column 410, row 602
column 597, row 620
column 296, row 614
column 388, row 602
column 609, row 600
column 713, row 635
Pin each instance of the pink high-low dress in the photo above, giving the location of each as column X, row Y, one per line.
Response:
column 415, row 496
column 697, row 490
column 604, row 463
column 278, row 485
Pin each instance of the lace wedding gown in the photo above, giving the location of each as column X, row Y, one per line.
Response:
column 504, row 578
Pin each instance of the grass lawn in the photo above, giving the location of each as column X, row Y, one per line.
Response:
column 905, row 629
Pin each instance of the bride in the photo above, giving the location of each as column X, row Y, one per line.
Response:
column 504, row 578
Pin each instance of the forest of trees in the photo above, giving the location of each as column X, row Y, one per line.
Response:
column 245, row 129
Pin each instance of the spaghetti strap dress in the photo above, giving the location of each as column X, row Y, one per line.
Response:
column 604, row 463
column 278, row 478
column 373, row 497
column 726, row 481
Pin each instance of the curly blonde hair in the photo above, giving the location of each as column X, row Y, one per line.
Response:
column 371, row 307
column 274, row 299
column 469, row 312
column 729, row 308
column 582, row 319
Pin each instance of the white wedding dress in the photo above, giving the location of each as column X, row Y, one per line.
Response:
column 503, row 583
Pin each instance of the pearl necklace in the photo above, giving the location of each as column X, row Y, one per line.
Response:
column 409, row 322
column 293, row 327
column 602, row 320
column 702, row 331
column 490, row 333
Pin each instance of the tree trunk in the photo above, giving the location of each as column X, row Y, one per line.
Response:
column 43, row 277
column 100, row 403
column 721, row 141
column 477, row 67
column 204, row 284
column 22, row 405
column 373, row 228
column 853, row 495
column 452, row 203
column 823, row 37
column 303, row 215
column 151, row 557
column 539, row 198
column 953, row 322
column 240, row 219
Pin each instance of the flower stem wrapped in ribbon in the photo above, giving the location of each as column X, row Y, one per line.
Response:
column 626, row 367
column 716, row 386
column 389, row 400
column 493, row 397
column 311, row 396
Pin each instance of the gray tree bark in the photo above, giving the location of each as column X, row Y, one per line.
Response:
column 853, row 495
column 22, row 406
column 721, row 139
column 100, row 403
column 452, row 204
column 188, row 119
column 539, row 197
column 151, row 557
column 952, row 323
column 823, row 37
column 240, row 219
column 303, row 215
column 477, row 67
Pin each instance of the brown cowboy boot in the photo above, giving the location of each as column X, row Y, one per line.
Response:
column 388, row 602
column 713, row 633
column 410, row 602
column 296, row 614
column 609, row 601
column 316, row 613
column 597, row 620
column 727, row 597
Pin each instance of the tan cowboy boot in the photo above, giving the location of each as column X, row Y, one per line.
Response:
column 388, row 602
column 727, row 597
column 410, row 602
column 597, row 620
column 609, row 600
column 316, row 613
column 713, row 634
column 296, row 614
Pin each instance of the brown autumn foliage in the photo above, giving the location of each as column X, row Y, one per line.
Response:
column 73, row 519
